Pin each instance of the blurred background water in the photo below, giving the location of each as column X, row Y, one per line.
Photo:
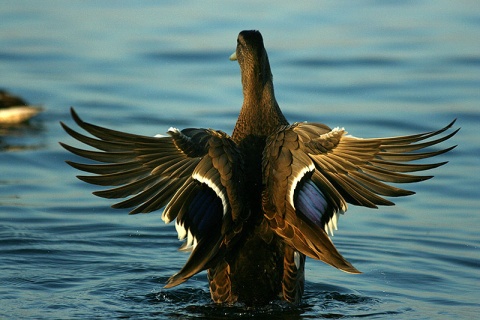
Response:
column 377, row 68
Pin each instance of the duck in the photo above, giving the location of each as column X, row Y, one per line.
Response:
column 15, row 110
column 251, row 206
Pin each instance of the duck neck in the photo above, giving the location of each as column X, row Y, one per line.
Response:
column 260, row 114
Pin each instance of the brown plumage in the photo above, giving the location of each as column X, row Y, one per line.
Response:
column 252, row 206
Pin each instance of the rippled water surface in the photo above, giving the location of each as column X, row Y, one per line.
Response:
column 377, row 68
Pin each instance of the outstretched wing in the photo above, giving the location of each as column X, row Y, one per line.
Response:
column 311, row 172
column 195, row 174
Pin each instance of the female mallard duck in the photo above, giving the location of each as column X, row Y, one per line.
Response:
column 251, row 206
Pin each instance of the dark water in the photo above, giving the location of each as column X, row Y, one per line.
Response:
column 377, row 68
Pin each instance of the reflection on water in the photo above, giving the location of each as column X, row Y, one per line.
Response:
column 375, row 68
column 21, row 137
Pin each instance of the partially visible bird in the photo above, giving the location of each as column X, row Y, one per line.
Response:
column 252, row 206
column 14, row 110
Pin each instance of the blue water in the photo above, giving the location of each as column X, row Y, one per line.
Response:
column 377, row 68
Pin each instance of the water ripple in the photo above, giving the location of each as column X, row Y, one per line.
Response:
column 364, row 62
column 377, row 68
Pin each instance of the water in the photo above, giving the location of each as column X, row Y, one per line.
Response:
column 377, row 68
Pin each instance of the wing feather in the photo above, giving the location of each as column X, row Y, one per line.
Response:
column 196, row 174
column 311, row 172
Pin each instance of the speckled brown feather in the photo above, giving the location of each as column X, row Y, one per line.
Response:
column 220, row 283
column 293, row 275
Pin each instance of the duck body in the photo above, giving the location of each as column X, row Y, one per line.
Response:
column 15, row 110
column 258, row 260
column 252, row 206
